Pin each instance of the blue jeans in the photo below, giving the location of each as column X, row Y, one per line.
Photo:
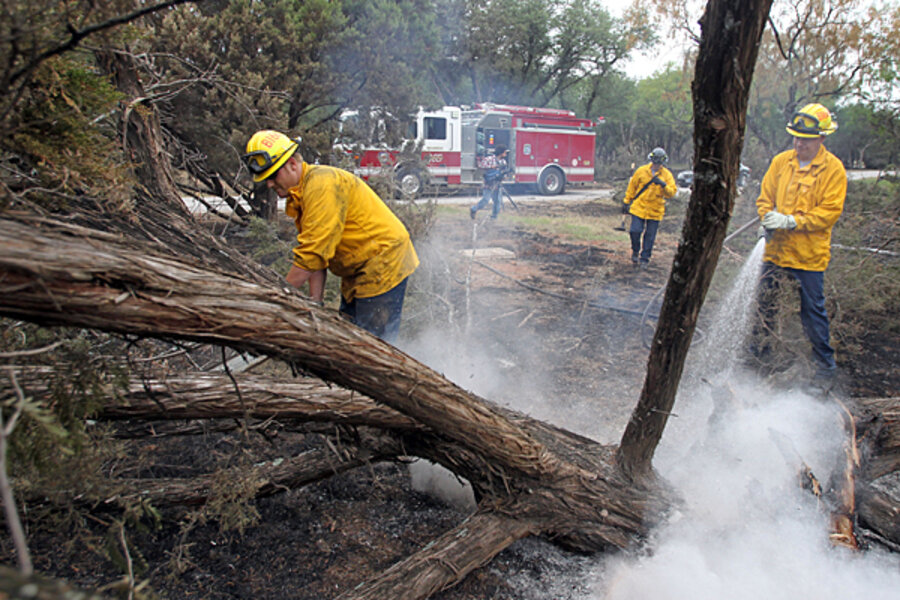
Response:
column 647, row 227
column 379, row 315
column 489, row 192
column 813, row 315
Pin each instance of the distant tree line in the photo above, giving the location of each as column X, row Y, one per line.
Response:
column 217, row 70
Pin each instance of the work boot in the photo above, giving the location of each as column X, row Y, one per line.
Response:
column 634, row 259
column 822, row 382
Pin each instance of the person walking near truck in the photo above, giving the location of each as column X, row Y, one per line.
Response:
column 495, row 167
column 342, row 225
column 646, row 195
column 800, row 199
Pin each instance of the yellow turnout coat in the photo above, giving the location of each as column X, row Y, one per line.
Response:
column 343, row 225
column 651, row 204
column 814, row 196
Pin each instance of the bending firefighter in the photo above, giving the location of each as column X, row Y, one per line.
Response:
column 343, row 226
column 800, row 200
column 647, row 191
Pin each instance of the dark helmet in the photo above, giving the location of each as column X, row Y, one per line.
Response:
column 658, row 156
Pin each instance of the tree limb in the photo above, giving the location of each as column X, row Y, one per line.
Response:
column 446, row 560
column 76, row 35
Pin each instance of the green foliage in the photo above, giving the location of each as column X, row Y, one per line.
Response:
column 663, row 111
column 55, row 141
column 532, row 52
column 288, row 65
column 59, row 149
column 53, row 447
column 866, row 137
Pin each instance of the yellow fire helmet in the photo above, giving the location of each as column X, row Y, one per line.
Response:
column 267, row 150
column 812, row 121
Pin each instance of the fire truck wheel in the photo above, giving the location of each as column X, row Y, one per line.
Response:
column 551, row 182
column 410, row 182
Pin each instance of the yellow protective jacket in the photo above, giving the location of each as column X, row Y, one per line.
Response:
column 342, row 225
column 814, row 196
column 651, row 204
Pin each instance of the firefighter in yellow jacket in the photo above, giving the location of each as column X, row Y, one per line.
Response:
column 800, row 200
column 343, row 226
column 647, row 191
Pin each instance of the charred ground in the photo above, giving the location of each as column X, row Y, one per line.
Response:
column 554, row 331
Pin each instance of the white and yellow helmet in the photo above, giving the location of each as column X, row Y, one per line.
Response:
column 811, row 121
column 267, row 151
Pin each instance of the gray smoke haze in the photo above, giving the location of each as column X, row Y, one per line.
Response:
column 746, row 531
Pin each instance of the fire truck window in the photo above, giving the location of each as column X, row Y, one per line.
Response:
column 435, row 128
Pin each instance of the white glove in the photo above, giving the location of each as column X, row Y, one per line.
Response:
column 776, row 220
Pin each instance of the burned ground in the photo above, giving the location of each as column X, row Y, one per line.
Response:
column 554, row 331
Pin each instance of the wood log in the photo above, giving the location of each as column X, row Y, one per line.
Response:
column 74, row 276
column 451, row 556
column 60, row 274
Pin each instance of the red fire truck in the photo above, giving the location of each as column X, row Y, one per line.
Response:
column 548, row 147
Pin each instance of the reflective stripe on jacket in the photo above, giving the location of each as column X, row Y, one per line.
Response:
column 651, row 204
column 814, row 196
column 344, row 226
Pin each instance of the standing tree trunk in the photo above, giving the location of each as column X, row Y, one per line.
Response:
column 728, row 48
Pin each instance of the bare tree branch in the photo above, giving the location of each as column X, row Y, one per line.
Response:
column 76, row 35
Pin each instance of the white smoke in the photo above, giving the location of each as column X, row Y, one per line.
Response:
column 747, row 530
column 734, row 451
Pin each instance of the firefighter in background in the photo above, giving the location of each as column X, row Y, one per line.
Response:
column 342, row 225
column 495, row 168
column 800, row 200
column 646, row 195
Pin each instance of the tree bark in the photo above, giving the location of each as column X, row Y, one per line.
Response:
column 59, row 274
column 457, row 553
column 141, row 133
column 731, row 32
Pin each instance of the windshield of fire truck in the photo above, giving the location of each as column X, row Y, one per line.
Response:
column 471, row 117
column 374, row 128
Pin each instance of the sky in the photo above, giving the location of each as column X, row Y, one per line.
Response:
column 644, row 64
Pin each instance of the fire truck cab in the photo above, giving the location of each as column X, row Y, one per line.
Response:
column 547, row 147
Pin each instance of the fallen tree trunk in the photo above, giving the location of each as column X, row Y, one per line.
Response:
column 455, row 554
column 216, row 396
column 58, row 274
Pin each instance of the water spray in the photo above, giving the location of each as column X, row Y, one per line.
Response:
column 645, row 339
